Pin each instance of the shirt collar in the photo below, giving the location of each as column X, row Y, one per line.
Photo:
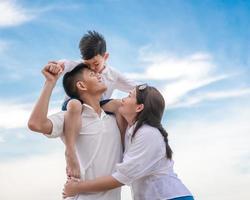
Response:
column 130, row 129
column 90, row 111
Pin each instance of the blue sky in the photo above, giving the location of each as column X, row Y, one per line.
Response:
column 196, row 52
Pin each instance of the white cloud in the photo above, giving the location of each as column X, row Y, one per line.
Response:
column 12, row 14
column 16, row 115
column 211, row 96
column 212, row 153
column 40, row 177
column 182, row 75
column 166, row 67
column 176, row 91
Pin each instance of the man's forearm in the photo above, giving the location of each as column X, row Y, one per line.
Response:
column 38, row 120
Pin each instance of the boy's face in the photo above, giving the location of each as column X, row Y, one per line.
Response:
column 97, row 63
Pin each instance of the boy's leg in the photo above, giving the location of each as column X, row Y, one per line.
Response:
column 72, row 125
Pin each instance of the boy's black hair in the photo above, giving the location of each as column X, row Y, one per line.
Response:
column 71, row 78
column 92, row 44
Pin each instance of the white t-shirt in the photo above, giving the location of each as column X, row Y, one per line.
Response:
column 146, row 168
column 98, row 148
column 111, row 78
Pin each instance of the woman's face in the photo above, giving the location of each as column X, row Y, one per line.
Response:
column 129, row 107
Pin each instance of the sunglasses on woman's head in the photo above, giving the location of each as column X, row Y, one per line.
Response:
column 143, row 86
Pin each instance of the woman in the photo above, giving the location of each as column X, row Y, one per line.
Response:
column 147, row 163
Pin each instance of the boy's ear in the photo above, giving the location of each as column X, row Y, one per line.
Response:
column 139, row 108
column 106, row 56
column 81, row 86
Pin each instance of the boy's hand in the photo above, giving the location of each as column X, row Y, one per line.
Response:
column 52, row 71
column 71, row 188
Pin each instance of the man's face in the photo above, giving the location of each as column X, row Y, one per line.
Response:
column 93, row 82
column 97, row 63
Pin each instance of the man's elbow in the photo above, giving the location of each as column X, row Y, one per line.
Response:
column 44, row 127
column 34, row 126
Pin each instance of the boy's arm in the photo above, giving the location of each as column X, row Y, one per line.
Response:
column 38, row 120
column 68, row 65
column 123, row 83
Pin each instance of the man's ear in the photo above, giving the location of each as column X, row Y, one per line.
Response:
column 81, row 86
column 106, row 56
column 139, row 108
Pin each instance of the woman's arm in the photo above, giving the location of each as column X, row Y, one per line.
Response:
column 113, row 106
column 122, row 125
column 74, row 187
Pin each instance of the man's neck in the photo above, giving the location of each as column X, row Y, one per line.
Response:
column 94, row 102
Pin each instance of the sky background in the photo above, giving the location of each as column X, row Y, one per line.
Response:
column 197, row 53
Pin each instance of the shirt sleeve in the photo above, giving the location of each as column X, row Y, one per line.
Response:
column 145, row 150
column 69, row 65
column 57, row 120
column 123, row 83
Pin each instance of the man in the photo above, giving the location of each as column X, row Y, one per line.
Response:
column 99, row 144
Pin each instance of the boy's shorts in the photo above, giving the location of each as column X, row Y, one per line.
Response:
column 183, row 198
column 102, row 102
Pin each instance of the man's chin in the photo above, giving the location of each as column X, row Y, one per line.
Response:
column 103, row 88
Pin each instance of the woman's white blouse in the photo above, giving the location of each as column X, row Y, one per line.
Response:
column 146, row 168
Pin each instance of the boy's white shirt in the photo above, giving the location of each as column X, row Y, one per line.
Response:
column 111, row 78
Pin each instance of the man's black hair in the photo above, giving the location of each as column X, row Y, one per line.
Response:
column 92, row 44
column 71, row 78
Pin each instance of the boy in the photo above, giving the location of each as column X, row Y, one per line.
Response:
column 93, row 51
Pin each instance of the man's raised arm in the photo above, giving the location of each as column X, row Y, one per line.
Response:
column 38, row 120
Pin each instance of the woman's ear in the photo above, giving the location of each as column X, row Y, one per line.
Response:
column 81, row 86
column 139, row 108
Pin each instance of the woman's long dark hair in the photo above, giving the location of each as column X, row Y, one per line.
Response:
column 154, row 106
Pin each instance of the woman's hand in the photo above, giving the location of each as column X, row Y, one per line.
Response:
column 71, row 188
